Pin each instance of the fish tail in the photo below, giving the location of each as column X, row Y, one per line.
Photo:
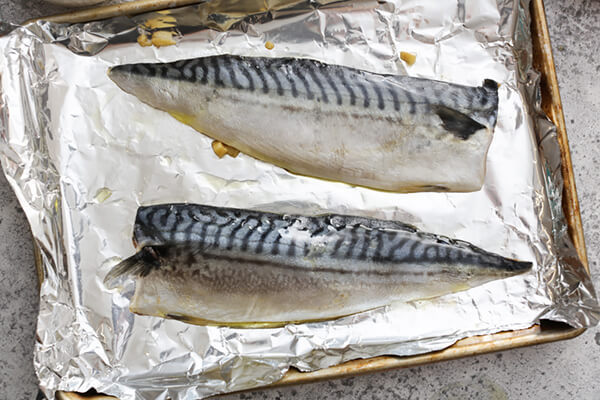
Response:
column 506, row 266
column 139, row 264
column 490, row 114
column 490, row 85
column 517, row 267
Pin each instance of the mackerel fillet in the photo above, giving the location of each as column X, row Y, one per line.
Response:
column 388, row 132
column 243, row 268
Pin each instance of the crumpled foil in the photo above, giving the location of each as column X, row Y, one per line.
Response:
column 82, row 155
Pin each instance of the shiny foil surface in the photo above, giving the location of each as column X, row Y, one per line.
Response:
column 82, row 156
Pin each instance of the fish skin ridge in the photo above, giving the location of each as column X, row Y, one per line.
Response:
column 188, row 267
column 327, row 83
column 152, row 256
column 393, row 241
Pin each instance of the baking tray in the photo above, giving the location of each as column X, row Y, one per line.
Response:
column 546, row 332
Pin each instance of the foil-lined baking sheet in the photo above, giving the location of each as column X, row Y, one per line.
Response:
column 82, row 155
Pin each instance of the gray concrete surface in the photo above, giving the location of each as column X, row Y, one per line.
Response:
column 567, row 370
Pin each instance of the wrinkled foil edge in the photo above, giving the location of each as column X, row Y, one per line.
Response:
column 569, row 286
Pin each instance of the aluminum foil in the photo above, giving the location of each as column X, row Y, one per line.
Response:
column 82, row 155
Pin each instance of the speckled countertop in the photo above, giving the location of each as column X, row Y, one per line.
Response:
column 567, row 370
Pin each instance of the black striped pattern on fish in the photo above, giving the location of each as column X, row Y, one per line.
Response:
column 339, row 237
column 463, row 109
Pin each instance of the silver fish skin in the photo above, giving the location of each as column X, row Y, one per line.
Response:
column 395, row 133
column 242, row 268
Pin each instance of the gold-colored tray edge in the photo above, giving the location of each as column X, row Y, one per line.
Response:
column 552, row 105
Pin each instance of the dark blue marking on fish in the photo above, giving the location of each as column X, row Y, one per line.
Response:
column 411, row 102
column 366, row 99
column 347, row 86
column 248, row 225
column 362, row 255
column 275, row 245
column 418, row 251
column 143, row 69
column 273, row 75
column 263, row 237
column 329, row 79
column 173, row 73
column 306, row 249
column 261, row 76
column 217, row 71
column 377, row 89
column 204, row 77
column 229, row 67
column 319, row 230
column 353, row 240
column 234, row 230
column 217, row 236
column 163, row 218
column 292, row 82
column 188, row 70
column 338, row 245
column 313, row 71
column 300, row 74
column 247, row 75
column 395, row 99
column 291, row 251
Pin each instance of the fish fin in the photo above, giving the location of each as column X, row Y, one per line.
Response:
column 459, row 124
column 139, row 264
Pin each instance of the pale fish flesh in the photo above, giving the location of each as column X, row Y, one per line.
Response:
column 242, row 268
column 388, row 132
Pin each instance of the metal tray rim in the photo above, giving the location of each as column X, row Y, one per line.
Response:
column 552, row 105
